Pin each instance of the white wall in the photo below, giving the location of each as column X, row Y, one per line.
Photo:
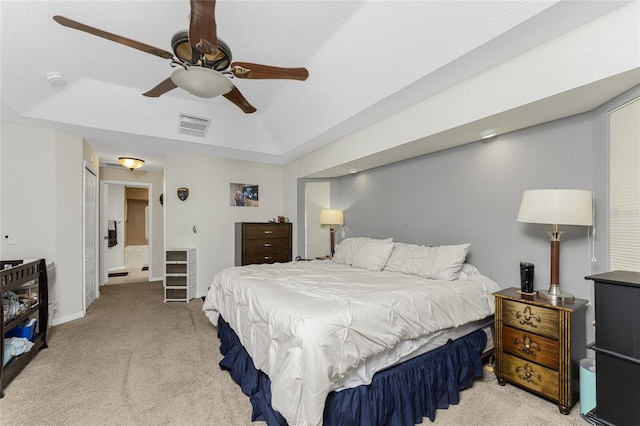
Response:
column 208, row 207
column 42, row 206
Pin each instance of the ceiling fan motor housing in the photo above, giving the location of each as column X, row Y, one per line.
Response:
column 182, row 49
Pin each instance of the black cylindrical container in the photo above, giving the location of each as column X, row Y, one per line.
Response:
column 526, row 277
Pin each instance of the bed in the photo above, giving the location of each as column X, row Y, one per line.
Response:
column 384, row 333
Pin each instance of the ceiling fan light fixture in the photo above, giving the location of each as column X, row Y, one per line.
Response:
column 131, row 163
column 202, row 82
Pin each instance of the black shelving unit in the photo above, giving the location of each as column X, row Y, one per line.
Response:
column 20, row 276
column 617, row 348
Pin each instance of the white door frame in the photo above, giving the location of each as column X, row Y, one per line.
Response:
column 104, row 225
column 89, row 231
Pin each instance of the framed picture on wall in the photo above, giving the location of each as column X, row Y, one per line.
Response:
column 244, row 195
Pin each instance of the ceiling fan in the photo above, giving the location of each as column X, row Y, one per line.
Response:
column 203, row 61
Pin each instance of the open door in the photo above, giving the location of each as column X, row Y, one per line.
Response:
column 90, row 232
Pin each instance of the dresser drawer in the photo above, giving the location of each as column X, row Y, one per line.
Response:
column 531, row 347
column 531, row 376
column 266, row 232
column 262, row 243
column 273, row 257
column 265, row 246
column 532, row 318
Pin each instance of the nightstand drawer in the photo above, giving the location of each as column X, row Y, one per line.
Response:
column 530, row 375
column 531, row 347
column 532, row 318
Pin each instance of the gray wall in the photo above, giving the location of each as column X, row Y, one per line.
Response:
column 472, row 194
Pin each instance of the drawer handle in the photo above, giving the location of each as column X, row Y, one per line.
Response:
column 267, row 257
column 268, row 232
column 528, row 345
column 268, row 244
column 527, row 316
column 527, row 374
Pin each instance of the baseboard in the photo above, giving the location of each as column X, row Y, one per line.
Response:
column 66, row 318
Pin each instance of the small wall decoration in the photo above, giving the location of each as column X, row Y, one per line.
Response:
column 183, row 193
column 243, row 195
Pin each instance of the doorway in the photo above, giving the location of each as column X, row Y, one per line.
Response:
column 126, row 224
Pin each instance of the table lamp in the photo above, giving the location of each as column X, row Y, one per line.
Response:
column 331, row 218
column 556, row 207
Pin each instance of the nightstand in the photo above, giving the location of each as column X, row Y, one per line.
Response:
column 539, row 345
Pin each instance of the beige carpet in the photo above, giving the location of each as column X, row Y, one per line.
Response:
column 134, row 360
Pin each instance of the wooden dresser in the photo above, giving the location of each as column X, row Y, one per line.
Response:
column 539, row 345
column 262, row 243
column 617, row 348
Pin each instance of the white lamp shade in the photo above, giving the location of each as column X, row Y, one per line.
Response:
column 331, row 217
column 202, row 82
column 557, row 207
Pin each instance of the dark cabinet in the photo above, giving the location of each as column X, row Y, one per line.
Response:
column 258, row 242
column 617, row 347
column 24, row 289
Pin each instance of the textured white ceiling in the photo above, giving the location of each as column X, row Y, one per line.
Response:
column 366, row 59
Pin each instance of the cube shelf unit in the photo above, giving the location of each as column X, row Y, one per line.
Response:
column 180, row 275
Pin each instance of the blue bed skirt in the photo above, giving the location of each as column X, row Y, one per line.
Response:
column 401, row 395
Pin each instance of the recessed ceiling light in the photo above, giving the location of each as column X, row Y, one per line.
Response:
column 55, row 79
column 353, row 171
column 489, row 133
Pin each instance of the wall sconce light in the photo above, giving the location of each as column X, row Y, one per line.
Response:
column 489, row 133
column 131, row 163
column 332, row 218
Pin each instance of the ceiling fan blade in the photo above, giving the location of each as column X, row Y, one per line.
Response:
column 161, row 88
column 236, row 97
column 257, row 71
column 202, row 27
column 118, row 39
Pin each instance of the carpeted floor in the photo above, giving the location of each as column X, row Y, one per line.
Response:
column 134, row 360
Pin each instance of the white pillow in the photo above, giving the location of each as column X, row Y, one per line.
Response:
column 347, row 249
column 373, row 254
column 467, row 270
column 438, row 263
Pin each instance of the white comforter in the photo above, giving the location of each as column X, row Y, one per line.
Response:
column 306, row 324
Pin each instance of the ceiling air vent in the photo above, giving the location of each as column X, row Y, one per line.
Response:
column 113, row 165
column 192, row 125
